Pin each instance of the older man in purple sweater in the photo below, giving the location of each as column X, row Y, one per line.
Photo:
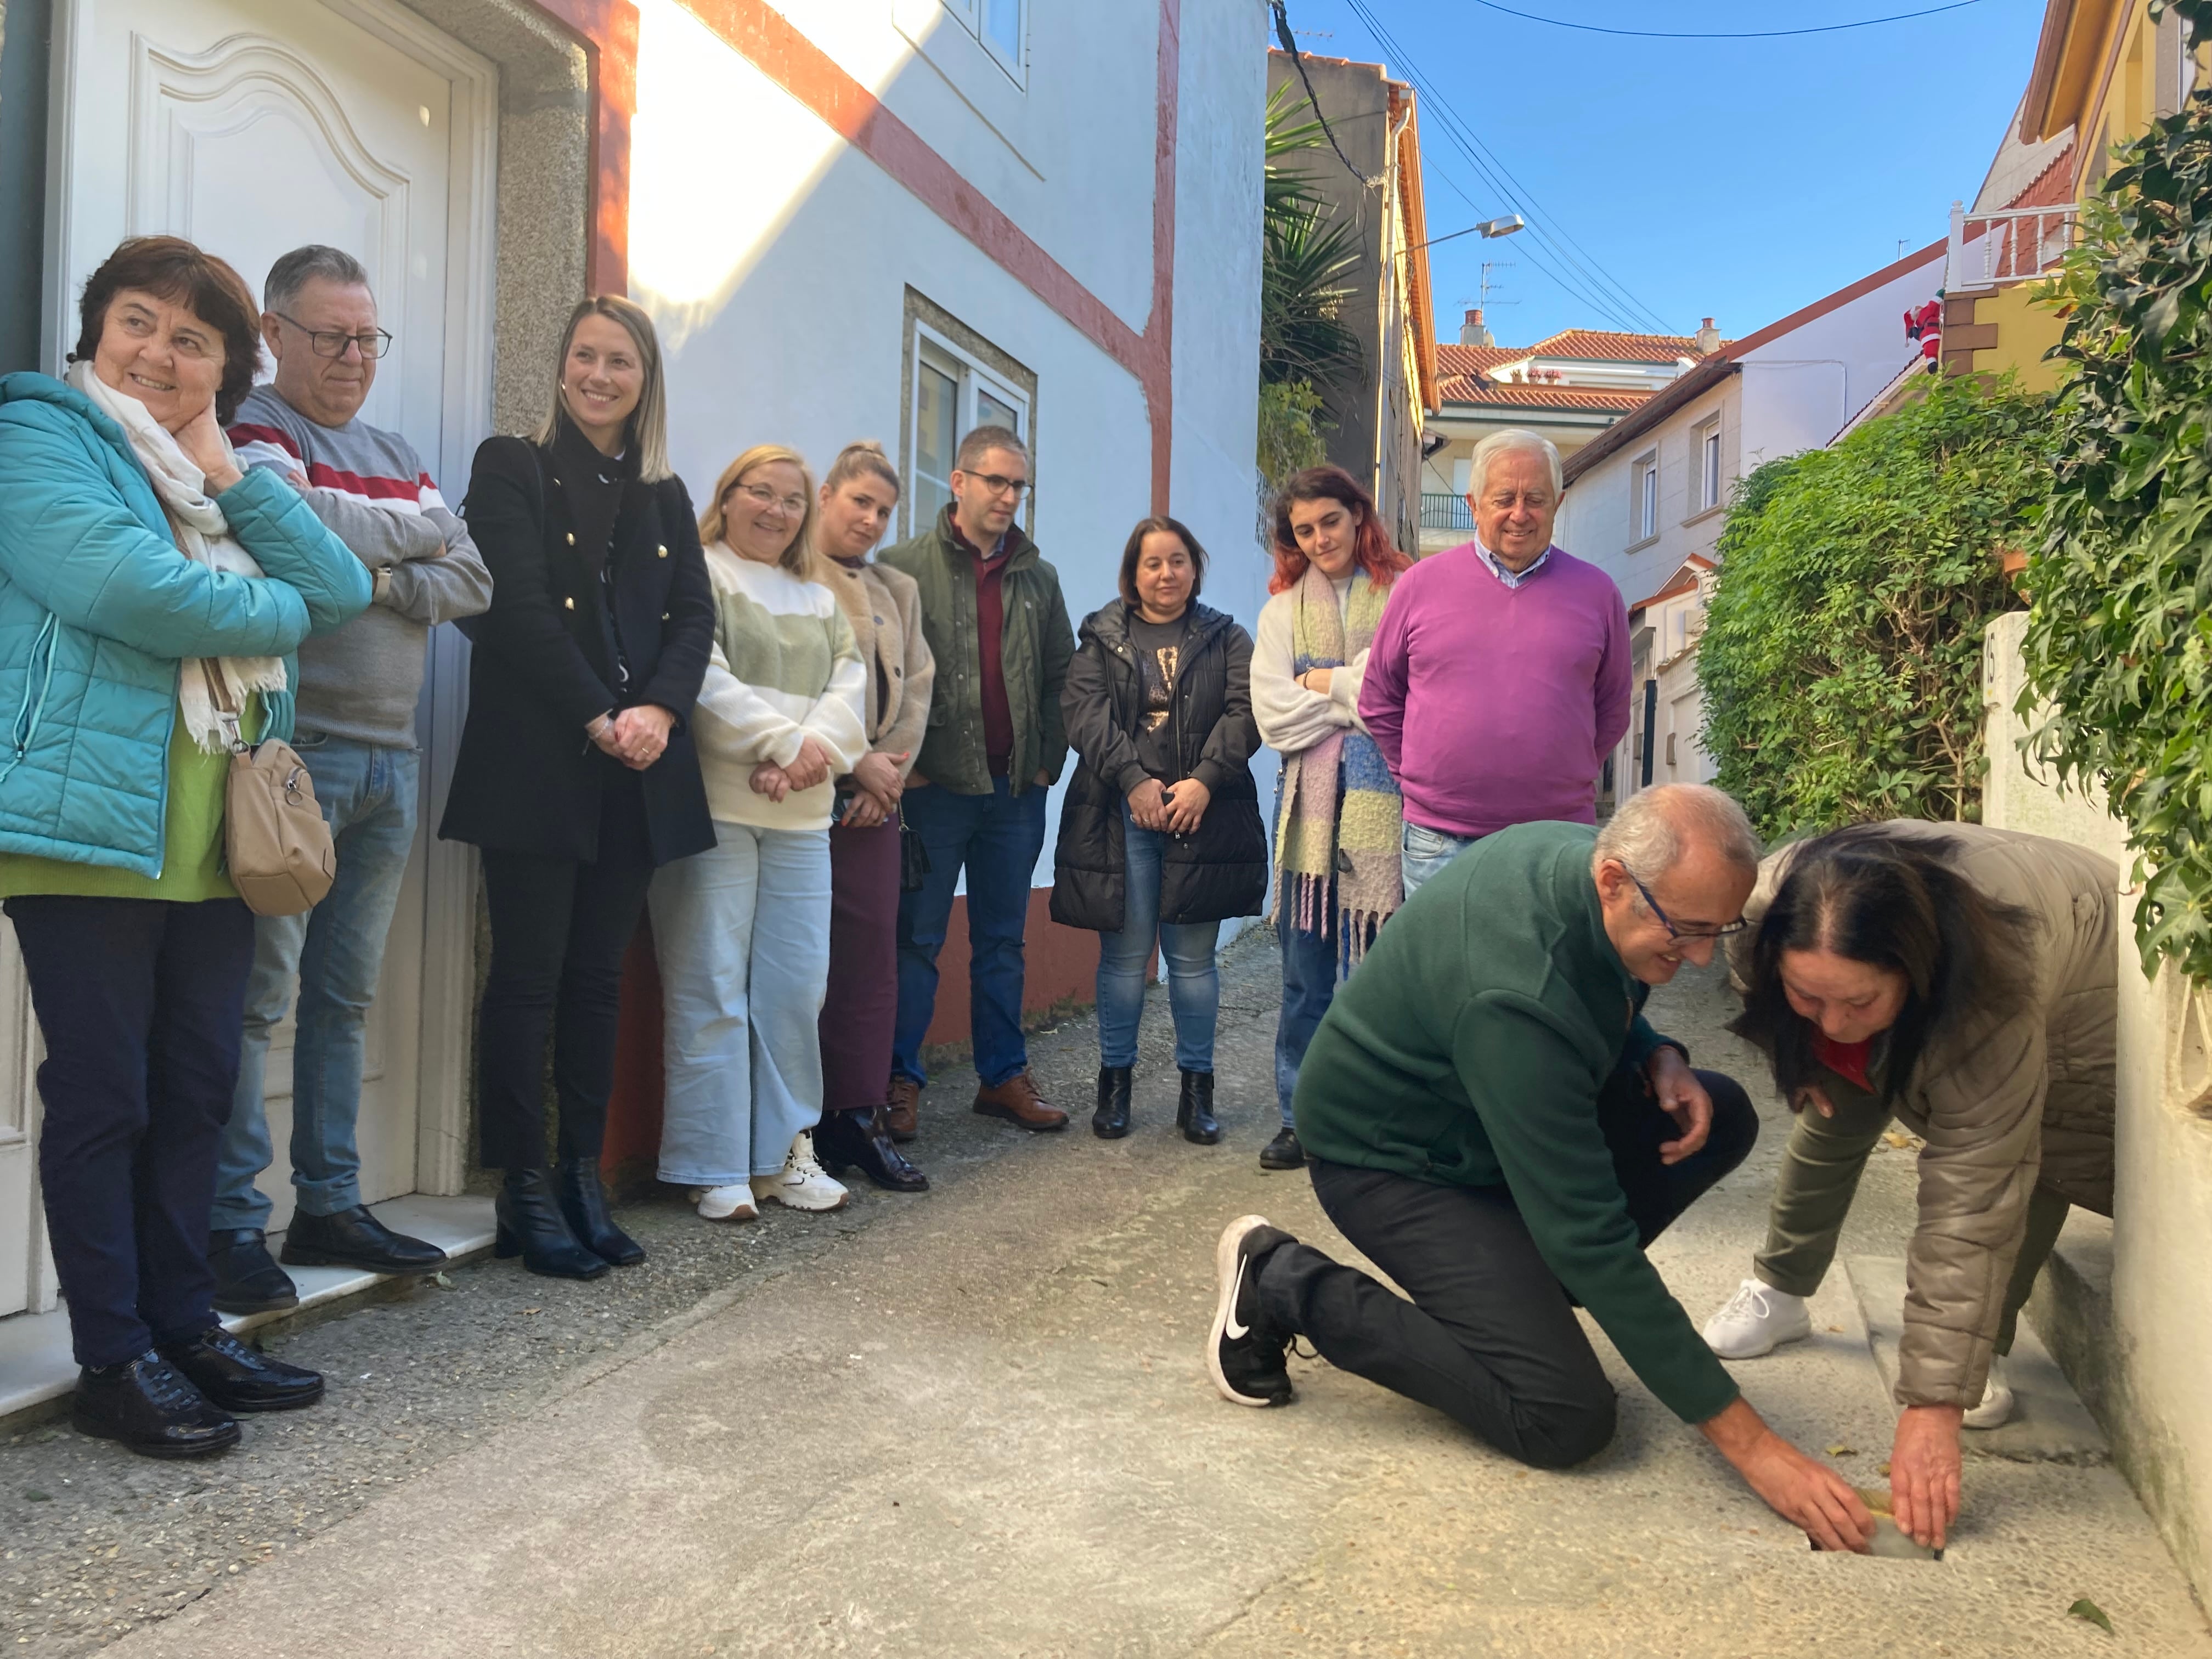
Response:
column 1498, row 678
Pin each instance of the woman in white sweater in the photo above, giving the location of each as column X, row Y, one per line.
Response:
column 742, row 931
column 1337, row 816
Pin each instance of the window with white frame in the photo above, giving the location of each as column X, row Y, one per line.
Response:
column 1003, row 27
column 1643, row 498
column 953, row 394
column 1705, row 457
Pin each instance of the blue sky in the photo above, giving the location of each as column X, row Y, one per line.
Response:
column 1736, row 179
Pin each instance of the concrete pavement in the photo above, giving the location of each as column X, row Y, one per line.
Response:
column 979, row 1423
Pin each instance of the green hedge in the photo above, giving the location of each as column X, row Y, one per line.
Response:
column 1841, row 662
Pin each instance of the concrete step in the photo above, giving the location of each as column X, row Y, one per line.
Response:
column 37, row 1371
column 2072, row 1308
column 2050, row 1425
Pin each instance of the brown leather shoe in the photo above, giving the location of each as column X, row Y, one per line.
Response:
column 1016, row 1100
column 902, row 1109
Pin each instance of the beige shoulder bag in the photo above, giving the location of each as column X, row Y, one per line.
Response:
column 278, row 847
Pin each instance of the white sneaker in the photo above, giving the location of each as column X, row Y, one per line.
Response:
column 801, row 1184
column 1996, row 1409
column 1757, row 1320
column 724, row 1203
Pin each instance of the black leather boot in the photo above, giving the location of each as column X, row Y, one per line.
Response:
column 532, row 1227
column 248, row 1280
column 355, row 1239
column 1194, row 1110
column 862, row 1140
column 584, row 1206
column 1111, row 1121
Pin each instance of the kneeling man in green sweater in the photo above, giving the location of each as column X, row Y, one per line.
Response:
column 1490, row 1121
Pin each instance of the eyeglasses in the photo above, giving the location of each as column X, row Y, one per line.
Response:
column 765, row 497
column 332, row 342
column 1688, row 930
column 1000, row 485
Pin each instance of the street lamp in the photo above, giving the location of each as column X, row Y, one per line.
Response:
column 1488, row 229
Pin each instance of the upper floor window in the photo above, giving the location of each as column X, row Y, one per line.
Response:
column 1644, row 501
column 1003, row 27
column 953, row 394
column 1705, row 456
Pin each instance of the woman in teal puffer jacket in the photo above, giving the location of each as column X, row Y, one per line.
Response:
column 150, row 595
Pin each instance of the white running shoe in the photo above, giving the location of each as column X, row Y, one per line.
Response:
column 802, row 1183
column 724, row 1203
column 1996, row 1409
column 1757, row 1320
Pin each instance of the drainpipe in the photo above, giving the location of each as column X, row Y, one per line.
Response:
column 1385, row 293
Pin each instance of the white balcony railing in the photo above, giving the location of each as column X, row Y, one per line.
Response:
column 2011, row 245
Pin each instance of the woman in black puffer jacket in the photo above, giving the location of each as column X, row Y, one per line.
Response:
column 1159, row 836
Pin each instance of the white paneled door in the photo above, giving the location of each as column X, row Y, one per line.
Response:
column 251, row 127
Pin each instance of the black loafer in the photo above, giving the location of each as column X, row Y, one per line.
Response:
column 1283, row 1153
column 355, row 1238
column 238, row 1378
column 149, row 1409
column 248, row 1280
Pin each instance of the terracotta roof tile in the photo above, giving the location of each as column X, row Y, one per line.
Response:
column 1606, row 345
column 1516, row 394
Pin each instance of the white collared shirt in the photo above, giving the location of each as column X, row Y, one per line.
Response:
column 1512, row 579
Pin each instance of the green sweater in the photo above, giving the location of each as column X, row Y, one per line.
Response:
column 1469, row 1049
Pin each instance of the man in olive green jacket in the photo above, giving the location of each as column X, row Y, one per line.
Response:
column 992, row 611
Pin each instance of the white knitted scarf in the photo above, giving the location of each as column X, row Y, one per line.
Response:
column 202, row 535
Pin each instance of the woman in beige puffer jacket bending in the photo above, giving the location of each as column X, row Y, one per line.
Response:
column 1961, row 980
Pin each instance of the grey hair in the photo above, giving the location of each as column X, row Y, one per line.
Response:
column 303, row 265
column 1515, row 440
column 1648, row 834
column 982, row 441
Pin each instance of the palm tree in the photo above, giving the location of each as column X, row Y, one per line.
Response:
column 1303, row 260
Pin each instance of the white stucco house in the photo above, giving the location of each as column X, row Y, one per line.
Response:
column 1647, row 498
column 892, row 219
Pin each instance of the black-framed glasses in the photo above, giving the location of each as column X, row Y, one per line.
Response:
column 1691, row 930
column 332, row 342
column 999, row 484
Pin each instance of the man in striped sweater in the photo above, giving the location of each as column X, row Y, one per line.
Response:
column 356, row 694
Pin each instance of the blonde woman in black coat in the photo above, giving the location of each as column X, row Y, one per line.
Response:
column 576, row 774
column 1159, row 836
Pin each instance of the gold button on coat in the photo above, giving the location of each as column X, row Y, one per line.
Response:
column 572, row 538
column 569, row 604
column 662, row 551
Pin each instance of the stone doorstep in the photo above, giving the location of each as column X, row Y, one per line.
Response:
column 36, row 1370
column 2050, row 1425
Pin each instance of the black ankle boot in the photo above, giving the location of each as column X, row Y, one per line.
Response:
column 531, row 1226
column 1111, row 1121
column 1194, row 1110
column 584, row 1208
column 862, row 1140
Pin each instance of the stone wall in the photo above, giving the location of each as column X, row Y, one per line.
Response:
column 2142, row 1349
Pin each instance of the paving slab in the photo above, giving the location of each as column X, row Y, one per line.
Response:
column 2050, row 1425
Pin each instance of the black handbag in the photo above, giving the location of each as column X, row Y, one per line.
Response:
column 913, row 857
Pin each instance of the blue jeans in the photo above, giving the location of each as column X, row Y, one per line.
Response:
column 997, row 837
column 741, row 932
column 1194, row 980
column 1309, row 987
column 368, row 795
column 1423, row 853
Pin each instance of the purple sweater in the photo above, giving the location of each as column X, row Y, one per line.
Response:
column 1497, row 706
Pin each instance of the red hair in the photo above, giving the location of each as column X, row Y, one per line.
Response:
column 1371, row 549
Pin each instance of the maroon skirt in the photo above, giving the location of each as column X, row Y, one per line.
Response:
column 861, row 1008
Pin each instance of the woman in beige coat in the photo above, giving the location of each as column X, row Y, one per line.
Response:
column 1962, row 980
column 884, row 607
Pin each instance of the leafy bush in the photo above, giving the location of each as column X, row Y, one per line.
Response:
column 2119, row 640
column 1290, row 431
column 1841, row 661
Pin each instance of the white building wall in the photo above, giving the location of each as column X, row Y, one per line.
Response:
column 1597, row 515
column 776, row 259
column 1800, row 389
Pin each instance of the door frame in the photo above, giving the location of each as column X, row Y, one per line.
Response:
column 447, row 978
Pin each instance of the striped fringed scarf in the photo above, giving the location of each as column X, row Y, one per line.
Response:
column 1319, row 834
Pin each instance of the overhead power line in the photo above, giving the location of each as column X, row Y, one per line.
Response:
column 1726, row 34
column 1589, row 283
column 1289, row 38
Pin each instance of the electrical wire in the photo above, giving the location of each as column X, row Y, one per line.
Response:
column 1284, row 33
column 1746, row 34
column 1597, row 288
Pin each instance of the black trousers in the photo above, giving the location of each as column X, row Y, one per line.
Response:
column 1490, row 1337
column 559, row 931
column 142, row 1003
